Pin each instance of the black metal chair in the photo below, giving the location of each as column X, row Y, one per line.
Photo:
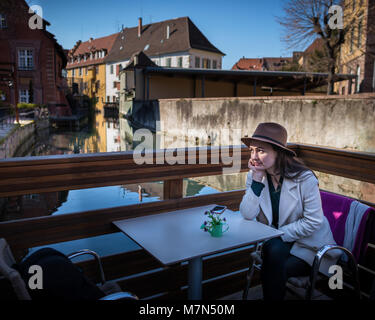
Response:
column 308, row 282
column 7, row 262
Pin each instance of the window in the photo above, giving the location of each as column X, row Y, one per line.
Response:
column 111, row 69
column 169, row 62
column 351, row 39
column 359, row 78
column 108, row 99
column 214, row 64
column 86, row 71
column 206, row 63
column 197, row 62
column 80, row 71
column 359, row 43
column 179, row 62
column 25, row 59
column 114, row 98
column 3, row 21
column 73, row 72
column 24, row 96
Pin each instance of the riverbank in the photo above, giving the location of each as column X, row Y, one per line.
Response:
column 13, row 136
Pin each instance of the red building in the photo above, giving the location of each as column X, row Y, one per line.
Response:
column 31, row 60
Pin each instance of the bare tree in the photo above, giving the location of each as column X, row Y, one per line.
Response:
column 305, row 20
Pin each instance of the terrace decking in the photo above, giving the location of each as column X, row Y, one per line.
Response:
column 137, row 271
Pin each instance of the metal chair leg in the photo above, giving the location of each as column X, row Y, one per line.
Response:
column 249, row 277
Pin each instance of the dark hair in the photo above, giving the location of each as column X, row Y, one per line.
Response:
column 287, row 165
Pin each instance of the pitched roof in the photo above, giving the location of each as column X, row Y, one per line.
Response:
column 276, row 64
column 248, row 64
column 92, row 45
column 316, row 45
column 183, row 35
column 267, row 63
column 139, row 59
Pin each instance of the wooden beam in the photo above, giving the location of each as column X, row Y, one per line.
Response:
column 203, row 86
column 235, row 89
column 173, row 189
column 255, row 87
column 57, row 173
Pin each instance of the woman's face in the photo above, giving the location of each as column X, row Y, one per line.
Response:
column 263, row 156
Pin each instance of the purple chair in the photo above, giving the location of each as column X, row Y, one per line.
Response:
column 336, row 209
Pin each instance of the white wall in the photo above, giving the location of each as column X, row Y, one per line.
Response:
column 110, row 78
column 206, row 55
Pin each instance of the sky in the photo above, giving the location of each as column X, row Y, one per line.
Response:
column 239, row 28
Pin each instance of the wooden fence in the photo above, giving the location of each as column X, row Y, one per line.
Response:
column 137, row 270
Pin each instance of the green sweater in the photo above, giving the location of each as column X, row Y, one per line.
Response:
column 257, row 188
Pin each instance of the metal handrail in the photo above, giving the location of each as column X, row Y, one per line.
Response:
column 316, row 264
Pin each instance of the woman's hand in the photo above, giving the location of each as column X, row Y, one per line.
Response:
column 258, row 173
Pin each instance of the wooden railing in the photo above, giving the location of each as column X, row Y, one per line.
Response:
column 21, row 176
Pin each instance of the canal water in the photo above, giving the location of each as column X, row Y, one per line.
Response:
column 102, row 134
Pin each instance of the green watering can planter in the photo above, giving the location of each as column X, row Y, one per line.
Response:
column 215, row 226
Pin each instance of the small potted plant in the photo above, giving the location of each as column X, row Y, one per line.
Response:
column 214, row 224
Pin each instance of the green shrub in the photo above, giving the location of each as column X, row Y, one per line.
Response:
column 24, row 105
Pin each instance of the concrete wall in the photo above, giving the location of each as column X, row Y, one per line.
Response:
column 15, row 139
column 346, row 122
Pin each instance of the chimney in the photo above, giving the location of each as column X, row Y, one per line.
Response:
column 139, row 27
column 167, row 32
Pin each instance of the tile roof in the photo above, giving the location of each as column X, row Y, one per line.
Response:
column 276, row 64
column 248, row 64
column 317, row 44
column 183, row 35
column 267, row 63
column 92, row 45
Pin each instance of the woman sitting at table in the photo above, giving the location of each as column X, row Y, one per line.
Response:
column 283, row 193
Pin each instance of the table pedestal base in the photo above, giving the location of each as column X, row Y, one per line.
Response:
column 195, row 279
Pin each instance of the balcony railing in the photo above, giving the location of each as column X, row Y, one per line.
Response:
column 226, row 273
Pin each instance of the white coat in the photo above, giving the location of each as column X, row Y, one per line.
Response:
column 301, row 216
